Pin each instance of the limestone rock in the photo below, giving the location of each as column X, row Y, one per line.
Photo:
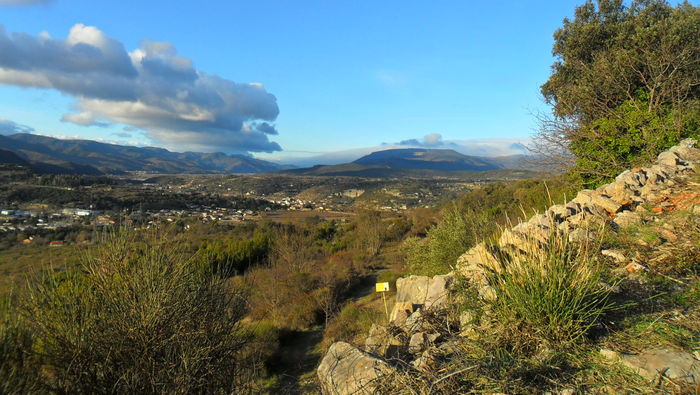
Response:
column 560, row 212
column 634, row 180
column 415, row 322
column 413, row 289
column 674, row 364
column 669, row 158
column 417, row 342
column 348, row 370
column 471, row 264
column 620, row 193
column 400, row 312
column 439, row 291
column 383, row 343
column 627, row 218
column 588, row 197
column 688, row 154
column 617, row 255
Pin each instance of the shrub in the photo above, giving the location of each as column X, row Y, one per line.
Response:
column 138, row 317
column 19, row 370
column 444, row 242
column 553, row 293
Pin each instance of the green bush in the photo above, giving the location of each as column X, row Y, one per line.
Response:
column 437, row 253
column 236, row 255
column 633, row 137
column 137, row 317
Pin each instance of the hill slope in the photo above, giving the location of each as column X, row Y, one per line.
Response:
column 75, row 155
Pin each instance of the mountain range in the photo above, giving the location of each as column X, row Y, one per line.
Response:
column 52, row 155
column 415, row 161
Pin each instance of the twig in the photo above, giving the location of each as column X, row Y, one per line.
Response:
column 430, row 391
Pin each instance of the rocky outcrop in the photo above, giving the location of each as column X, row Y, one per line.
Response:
column 614, row 204
column 420, row 326
column 347, row 370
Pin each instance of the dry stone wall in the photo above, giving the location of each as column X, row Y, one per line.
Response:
column 411, row 335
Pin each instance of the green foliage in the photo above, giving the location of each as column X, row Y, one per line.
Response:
column 633, row 137
column 624, row 85
column 476, row 216
column 236, row 255
column 444, row 243
column 138, row 317
column 553, row 294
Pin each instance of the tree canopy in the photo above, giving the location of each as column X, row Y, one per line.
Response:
column 625, row 84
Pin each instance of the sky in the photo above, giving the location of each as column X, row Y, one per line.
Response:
column 277, row 79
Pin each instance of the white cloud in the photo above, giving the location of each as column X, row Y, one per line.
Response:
column 151, row 88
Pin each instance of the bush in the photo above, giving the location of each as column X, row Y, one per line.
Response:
column 437, row 253
column 552, row 293
column 138, row 317
column 19, row 370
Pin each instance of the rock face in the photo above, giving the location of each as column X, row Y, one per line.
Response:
column 348, row 370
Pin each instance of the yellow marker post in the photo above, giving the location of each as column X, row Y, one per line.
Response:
column 383, row 288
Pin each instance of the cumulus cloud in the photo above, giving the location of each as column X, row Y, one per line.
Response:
column 25, row 2
column 151, row 88
column 9, row 127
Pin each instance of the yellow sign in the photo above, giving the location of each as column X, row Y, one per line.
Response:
column 382, row 287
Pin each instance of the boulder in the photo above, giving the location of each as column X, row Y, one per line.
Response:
column 627, row 218
column 560, row 212
column 471, row 264
column 620, row 193
column 674, row 364
column 688, row 154
column 348, row 370
column 413, row 289
column 669, row 158
column 383, row 343
column 438, row 291
column 588, row 197
column 400, row 312
column 632, row 179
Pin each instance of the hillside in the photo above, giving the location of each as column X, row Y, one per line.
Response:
column 597, row 295
column 416, row 162
column 92, row 157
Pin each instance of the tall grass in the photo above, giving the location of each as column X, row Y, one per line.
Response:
column 138, row 316
column 552, row 292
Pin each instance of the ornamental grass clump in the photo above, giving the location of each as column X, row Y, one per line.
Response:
column 552, row 292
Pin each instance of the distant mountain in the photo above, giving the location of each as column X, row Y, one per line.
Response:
column 426, row 159
column 415, row 161
column 92, row 157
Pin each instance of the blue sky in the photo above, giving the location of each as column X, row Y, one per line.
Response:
column 344, row 74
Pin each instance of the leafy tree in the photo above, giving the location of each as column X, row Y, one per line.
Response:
column 625, row 85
